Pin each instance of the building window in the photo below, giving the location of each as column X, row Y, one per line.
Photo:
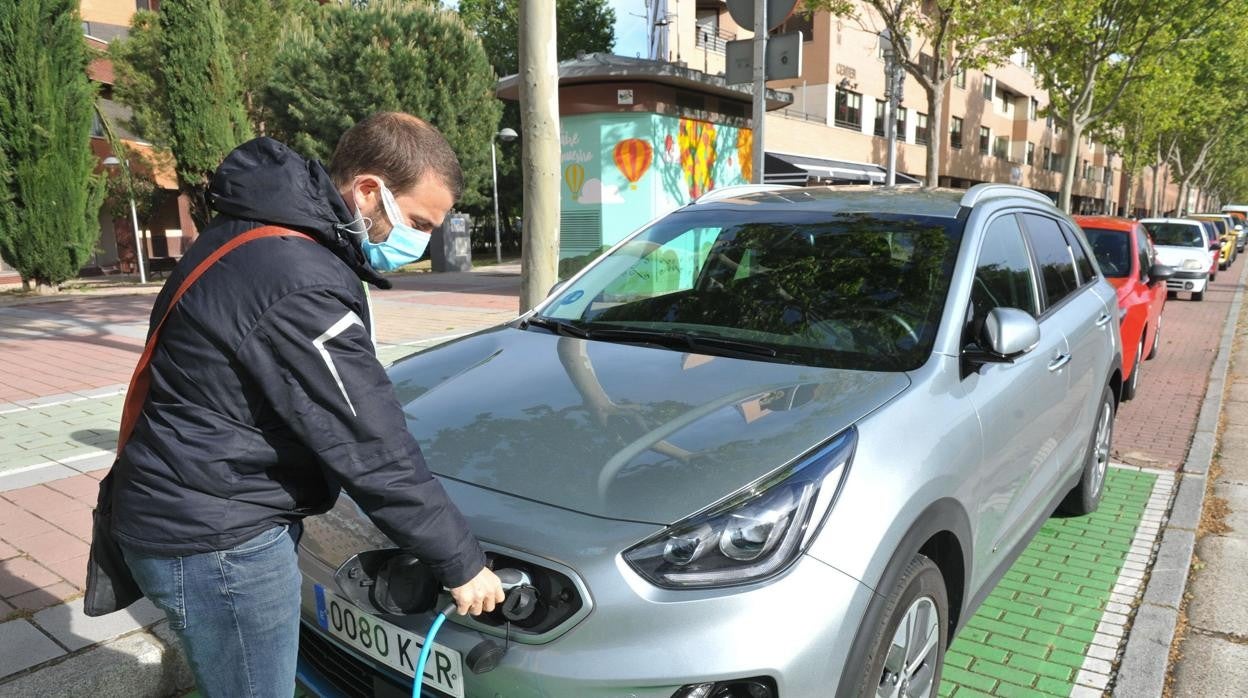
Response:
column 142, row 4
column 1047, row 162
column 985, row 140
column 920, row 128
column 1048, row 122
column 880, row 107
column 848, row 109
column 955, row 133
column 990, row 87
column 97, row 126
column 1001, row 148
column 1033, row 110
column 927, row 64
column 1007, row 101
column 1031, row 153
column 901, row 123
column 959, row 78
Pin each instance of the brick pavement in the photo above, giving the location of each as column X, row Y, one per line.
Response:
column 1156, row 427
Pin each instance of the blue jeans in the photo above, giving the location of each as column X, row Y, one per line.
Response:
column 236, row 612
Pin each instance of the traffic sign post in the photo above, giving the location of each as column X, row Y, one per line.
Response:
column 763, row 15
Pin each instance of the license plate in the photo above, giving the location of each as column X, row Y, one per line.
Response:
column 387, row 643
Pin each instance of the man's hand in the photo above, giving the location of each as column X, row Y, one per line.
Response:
column 480, row 594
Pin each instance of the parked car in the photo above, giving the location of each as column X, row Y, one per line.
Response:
column 693, row 450
column 1225, row 233
column 1125, row 254
column 1218, row 246
column 1239, row 213
column 1189, row 248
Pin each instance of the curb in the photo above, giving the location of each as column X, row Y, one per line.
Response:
column 1146, row 660
column 146, row 662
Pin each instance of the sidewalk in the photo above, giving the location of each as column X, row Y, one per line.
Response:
column 67, row 361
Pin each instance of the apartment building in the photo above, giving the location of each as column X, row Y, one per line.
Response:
column 994, row 131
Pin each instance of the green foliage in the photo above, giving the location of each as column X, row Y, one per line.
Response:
column 339, row 64
column 50, row 201
column 206, row 115
column 581, row 26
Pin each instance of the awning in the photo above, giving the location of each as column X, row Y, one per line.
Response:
column 785, row 168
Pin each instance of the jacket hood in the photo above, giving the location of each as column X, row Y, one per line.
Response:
column 263, row 180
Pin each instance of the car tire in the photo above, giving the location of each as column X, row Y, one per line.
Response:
column 1198, row 295
column 1171, row 295
column 918, row 594
column 1133, row 384
column 1152, row 352
column 1086, row 495
column 1213, row 277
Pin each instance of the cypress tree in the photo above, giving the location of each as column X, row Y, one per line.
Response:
column 206, row 114
column 50, row 195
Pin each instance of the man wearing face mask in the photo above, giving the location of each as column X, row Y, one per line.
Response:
column 266, row 398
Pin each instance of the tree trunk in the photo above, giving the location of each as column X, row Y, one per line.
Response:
column 1127, row 196
column 935, row 130
column 1068, row 167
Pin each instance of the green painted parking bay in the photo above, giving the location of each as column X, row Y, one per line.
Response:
column 1032, row 634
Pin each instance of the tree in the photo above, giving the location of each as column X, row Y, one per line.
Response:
column 1089, row 51
column 340, row 63
column 941, row 39
column 206, row 115
column 581, row 26
column 51, row 196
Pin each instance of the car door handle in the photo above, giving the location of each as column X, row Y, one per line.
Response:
column 1104, row 318
column 1059, row 361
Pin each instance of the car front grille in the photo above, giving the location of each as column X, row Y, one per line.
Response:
column 349, row 675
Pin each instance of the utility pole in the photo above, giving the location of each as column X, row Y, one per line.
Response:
column 760, row 89
column 539, row 119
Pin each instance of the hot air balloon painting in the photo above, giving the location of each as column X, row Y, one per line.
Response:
column 745, row 153
column 633, row 156
column 574, row 177
column 697, row 155
column 669, row 150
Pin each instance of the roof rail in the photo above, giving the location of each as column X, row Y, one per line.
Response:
column 739, row 190
column 979, row 192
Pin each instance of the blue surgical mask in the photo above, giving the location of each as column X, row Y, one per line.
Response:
column 405, row 244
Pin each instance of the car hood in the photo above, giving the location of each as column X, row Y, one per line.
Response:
column 620, row 431
column 1174, row 256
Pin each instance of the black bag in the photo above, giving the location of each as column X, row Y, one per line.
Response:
column 110, row 585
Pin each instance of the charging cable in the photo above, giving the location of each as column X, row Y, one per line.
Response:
column 428, row 647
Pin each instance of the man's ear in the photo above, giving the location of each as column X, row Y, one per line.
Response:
column 368, row 189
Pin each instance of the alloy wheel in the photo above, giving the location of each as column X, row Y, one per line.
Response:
column 1104, row 431
column 910, row 667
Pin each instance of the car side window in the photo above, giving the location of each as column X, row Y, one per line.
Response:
column 1053, row 257
column 1145, row 253
column 1003, row 274
column 1082, row 263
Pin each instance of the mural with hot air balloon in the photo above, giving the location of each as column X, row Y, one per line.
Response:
column 574, row 177
column 621, row 170
column 633, row 157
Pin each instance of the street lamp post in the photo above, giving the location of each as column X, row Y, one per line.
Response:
column 892, row 89
column 113, row 161
column 506, row 135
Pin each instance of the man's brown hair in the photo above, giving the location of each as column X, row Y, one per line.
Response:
column 399, row 148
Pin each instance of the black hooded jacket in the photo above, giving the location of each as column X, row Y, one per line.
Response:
column 266, row 394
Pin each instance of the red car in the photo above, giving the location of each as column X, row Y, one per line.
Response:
column 1125, row 254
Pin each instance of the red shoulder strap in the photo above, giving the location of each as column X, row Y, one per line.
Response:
column 136, row 394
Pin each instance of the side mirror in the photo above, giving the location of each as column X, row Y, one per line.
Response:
column 1158, row 273
column 1006, row 334
column 1215, row 245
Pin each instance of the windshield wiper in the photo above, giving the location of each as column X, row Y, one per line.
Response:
column 695, row 342
column 559, row 327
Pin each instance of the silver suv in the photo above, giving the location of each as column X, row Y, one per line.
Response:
column 781, row 443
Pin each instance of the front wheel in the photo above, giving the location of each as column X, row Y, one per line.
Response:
column 1086, row 495
column 908, row 648
column 1198, row 295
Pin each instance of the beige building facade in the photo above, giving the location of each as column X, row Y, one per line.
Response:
column 992, row 125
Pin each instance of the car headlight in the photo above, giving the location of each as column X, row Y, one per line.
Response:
column 1193, row 264
column 754, row 533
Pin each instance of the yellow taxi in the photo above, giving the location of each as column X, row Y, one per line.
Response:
column 1226, row 234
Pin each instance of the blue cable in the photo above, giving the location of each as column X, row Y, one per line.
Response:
column 427, row 648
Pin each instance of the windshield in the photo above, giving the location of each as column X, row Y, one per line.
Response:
column 1219, row 225
column 1175, row 234
column 858, row 291
column 1112, row 250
